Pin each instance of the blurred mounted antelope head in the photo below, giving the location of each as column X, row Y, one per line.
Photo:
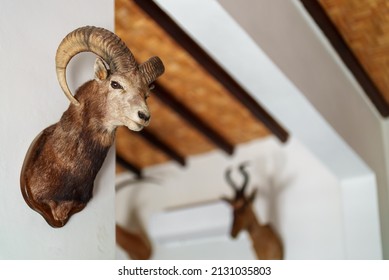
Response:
column 266, row 243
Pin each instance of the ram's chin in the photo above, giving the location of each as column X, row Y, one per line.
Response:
column 134, row 126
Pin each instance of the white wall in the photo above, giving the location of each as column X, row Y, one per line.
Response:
column 303, row 202
column 30, row 100
column 289, row 36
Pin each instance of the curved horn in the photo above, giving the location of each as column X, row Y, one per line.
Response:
column 245, row 175
column 101, row 42
column 152, row 69
column 229, row 180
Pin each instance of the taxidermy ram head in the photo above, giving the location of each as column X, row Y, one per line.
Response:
column 62, row 162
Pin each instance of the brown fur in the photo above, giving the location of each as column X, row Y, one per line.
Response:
column 62, row 163
column 136, row 245
column 266, row 243
column 58, row 175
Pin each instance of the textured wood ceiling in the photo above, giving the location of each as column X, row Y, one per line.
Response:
column 363, row 26
column 191, row 86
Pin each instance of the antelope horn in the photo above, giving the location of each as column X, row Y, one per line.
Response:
column 229, row 180
column 101, row 42
column 245, row 175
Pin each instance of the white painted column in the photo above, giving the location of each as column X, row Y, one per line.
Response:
column 31, row 100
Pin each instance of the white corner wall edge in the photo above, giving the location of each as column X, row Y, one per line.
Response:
column 361, row 221
column 202, row 19
column 31, row 100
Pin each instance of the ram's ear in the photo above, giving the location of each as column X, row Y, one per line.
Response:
column 101, row 71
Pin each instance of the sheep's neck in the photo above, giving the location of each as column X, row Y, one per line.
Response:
column 86, row 124
column 80, row 141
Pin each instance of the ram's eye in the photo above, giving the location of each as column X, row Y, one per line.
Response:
column 151, row 87
column 116, row 85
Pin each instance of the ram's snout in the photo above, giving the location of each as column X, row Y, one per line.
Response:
column 136, row 116
column 144, row 116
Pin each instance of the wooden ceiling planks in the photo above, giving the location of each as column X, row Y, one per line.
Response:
column 235, row 91
column 136, row 151
column 185, row 78
column 359, row 31
column 208, row 116
column 175, row 131
column 365, row 27
column 202, row 126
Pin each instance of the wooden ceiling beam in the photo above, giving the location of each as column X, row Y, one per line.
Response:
column 129, row 166
column 162, row 146
column 168, row 99
column 213, row 68
column 329, row 29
